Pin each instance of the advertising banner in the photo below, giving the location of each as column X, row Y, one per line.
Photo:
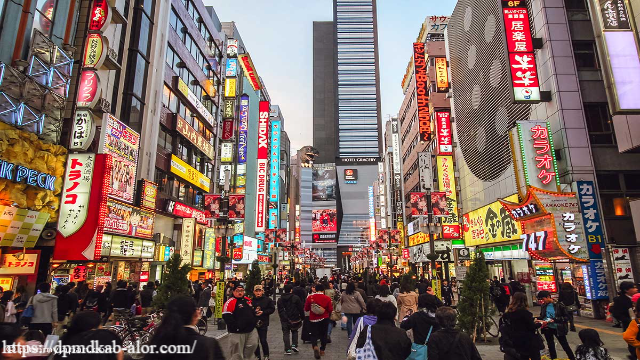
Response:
column 21, row 227
column 226, row 152
column 95, row 51
column 447, row 183
column 490, row 224
column 231, row 70
column 209, row 249
column 89, row 90
column 591, row 218
column 125, row 219
column 15, row 264
column 230, row 87
column 236, row 207
column 437, row 24
column 186, row 242
column 350, row 176
column 243, row 126
column 422, row 91
column 597, row 281
column 190, row 174
column 439, row 204
column 212, row 204
column 83, row 132
column 250, row 71
column 148, row 194
column 227, row 129
column 232, row 49
column 324, row 182
column 395, row 146
column 425, row 168
column 418, row 203
column 534, row 156
column 274, row 173
column 443, row 129
column 262, row 166
column 121, row 246
column 622, row 265
column 442, row 76
column 185, row 211
column 324, row 238
column 325, row 220
column 194, row 137
column 229, row 111
column 122, row 143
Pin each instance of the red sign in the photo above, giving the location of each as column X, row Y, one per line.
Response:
column 212, row 205
column 100, row 15
column 227, row 129
column 522, row 62
column 422, row 91
column 237, row 253
column 250, row 71
column 144, row 276
column 79, row 273
column 405, row 253
column 262, row 165
column 544, row 155
column 264, row 258
column 184, row 211
column 443, row 124
column 88, row 93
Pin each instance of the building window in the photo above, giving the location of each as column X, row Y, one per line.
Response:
column 599, row 123
column 585, row 54
column 164, row 140
column 608, row 182
column 575, row 4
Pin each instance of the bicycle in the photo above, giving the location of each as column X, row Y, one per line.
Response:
column 132, row 330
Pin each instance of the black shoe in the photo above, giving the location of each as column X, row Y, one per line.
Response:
column 328, row 340
column 294, row 348
column 617, row 326
column 316, row 352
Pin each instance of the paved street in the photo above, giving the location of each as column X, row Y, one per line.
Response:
column 612, row 338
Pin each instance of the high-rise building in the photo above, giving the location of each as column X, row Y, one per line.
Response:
column 354, row 129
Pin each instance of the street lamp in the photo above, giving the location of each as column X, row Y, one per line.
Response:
column 224, row 217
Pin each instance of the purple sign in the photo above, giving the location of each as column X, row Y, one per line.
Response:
column 242, row 131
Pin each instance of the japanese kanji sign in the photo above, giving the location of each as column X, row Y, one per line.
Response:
column 447, row 184
column 522, row 62
column 75, row 193
column 21, row 227
column 534, row 154
column 443, row 126
column 422, row 91
column 622, row 265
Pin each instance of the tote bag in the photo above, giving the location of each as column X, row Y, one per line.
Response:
column 351, row 352
column 419, row 351
column 367, row 352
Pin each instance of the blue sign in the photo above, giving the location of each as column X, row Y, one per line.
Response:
column 371, row 205
column 591, row 218
column 31, row 177
column 242, row 129
column 232, row 67
column 274, row 176
column 595, row 283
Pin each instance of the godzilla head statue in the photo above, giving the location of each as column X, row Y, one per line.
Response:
column 307, row 155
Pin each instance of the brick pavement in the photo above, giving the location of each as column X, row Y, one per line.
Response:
column 612, row 337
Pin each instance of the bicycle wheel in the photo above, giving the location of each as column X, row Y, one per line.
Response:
column 131, row 341
column 492, row 327
column 202, row 326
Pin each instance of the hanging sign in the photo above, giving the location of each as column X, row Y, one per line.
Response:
column 442, row 77
column 447, row 184
column 422, row 91
column 95, row 51
column 74, row 203
column 443, row 129
column 83, row 131
column 89, row 89
column 100, row 16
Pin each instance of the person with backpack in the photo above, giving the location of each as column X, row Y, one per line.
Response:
column 516, row 286
column 554, row 320
column 146, row 297
column 449, row 343
column 91, row 301
column 500, row 295
column 319, row 307
column 519, row 339
column 423, row 323
column 291, row 313
column 569, row 298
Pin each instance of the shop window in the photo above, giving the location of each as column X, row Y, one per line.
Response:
column 585, row 54
column 599, row 123
column 575, row 4
column 182, row 194
column 161, row 180
column 132, row 112
column 176, row 187
column 165, row 140
column 614, row 205
column 608, row 182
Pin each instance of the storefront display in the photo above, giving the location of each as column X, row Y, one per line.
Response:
column 545, row 278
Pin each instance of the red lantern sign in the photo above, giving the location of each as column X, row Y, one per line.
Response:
column 100, row 16
column 89, row 91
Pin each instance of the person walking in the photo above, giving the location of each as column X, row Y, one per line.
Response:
column 384, row 294
column 300, row 292
column 423, row 322
column 554, row 319
column 104, row 303
column 178, row 327
column 335, row 297
column 45, row 310
column 9, row 307
column 448, row 343
column 569, row 298
column 631, row 334
column 447, row 293
column 240, row 316
column 516, row 286
column 120, row 297
column 407, row 301
column 291, row 313
column 319, row 307
column 519, row 338
column 621, row 306
column 388, row 341
column 369, row 318
column 205, row 297
column 84, row 330
column 592, row 348
column 352, row 305
column 264, row 308
column 64, row 307
column 146, row 297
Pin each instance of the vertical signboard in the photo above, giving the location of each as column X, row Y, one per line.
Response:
column 395, row 140
column 422, row 92
column 425, row 166
column 447, row 184
column 615, row 31
column 442, row 77
column 535, row 159
column 443, row 129
column 242, row 129
column 262, row 165
column 274, row 174
column 372, row 216
column 522, row 62
column 186, row 241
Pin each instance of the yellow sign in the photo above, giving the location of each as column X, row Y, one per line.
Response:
column 12, row 264
column 447, row 184
column 442, row 77
column 418, row 238
column 401, row 229
column 219, row 299
column 190, row 174
column 94, row 51
column 491, row 224
column 6, row 283
column 183, row 87
column 230, row 87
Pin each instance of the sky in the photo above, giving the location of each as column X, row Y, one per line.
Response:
column 278, row 35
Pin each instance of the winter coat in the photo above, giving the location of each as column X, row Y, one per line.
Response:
column 239, row 314
column 407, row 301
column 322, row 300
column 368, row 321
column 10, row 312
column 451, row 344
column 521, row 332
column 45, row 309
column 120, row 299
column 621, row 306
column 389, row 341
column 290, row 308
column 516, row 286
column 146, row 297
column 388, row 298
column 300, row 292
column 352, row 304
column 631, row 336
column 420, row 322
column 568, row 297
column 205, row 296
column 64, row 306
column 73, row 300
column 266, row 306
column 561, row 318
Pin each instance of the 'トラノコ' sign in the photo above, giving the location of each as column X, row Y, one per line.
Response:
column 422, row 91
column 522, row 62
column 75, row 194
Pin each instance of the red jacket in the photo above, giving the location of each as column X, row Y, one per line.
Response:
column 322, row 300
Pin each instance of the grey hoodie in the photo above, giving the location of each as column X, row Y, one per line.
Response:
column 45, row 309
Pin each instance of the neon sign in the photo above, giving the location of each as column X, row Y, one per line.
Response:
column 422, row 91
column 31, row 177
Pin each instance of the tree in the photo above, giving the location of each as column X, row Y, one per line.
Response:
column 475, row 300
column 254, row 278
column 175, row 282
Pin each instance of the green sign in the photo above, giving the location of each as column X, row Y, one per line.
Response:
column 209, row 249
column 219, row 299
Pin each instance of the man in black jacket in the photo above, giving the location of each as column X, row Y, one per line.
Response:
column 239, row 314
column 423, row 321
column 146, row 297
column 300, row 292
column 264, row 308
column 555, row 322
column 449, row 343
column 291, row 312
column 621, row 306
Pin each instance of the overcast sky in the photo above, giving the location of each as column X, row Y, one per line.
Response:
column 278, row 35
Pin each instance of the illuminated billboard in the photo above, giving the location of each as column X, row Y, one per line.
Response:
column 447, row 183
column 274, row 173
column 418, row 203
column 262, row 166
column 324, row 182
column 242, row 129
column 422, row 91
column 325, row 220
column 535, row 160
column 122, row 143
column 522, row 62
column 442, row 77
column 231, row 68
column 490, row 224
column 443, row 129
column 250, row 71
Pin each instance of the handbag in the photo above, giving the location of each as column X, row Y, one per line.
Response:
column 28, row 313
column 419, row 351
column 317, row 309
column 367, row 352
column 295, row 324
column 351, row 352
column 572, row 308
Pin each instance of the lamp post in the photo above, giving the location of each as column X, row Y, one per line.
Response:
column 431, row 228
column 224, row 217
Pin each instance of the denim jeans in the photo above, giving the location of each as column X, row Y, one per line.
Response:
column 351, row 320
